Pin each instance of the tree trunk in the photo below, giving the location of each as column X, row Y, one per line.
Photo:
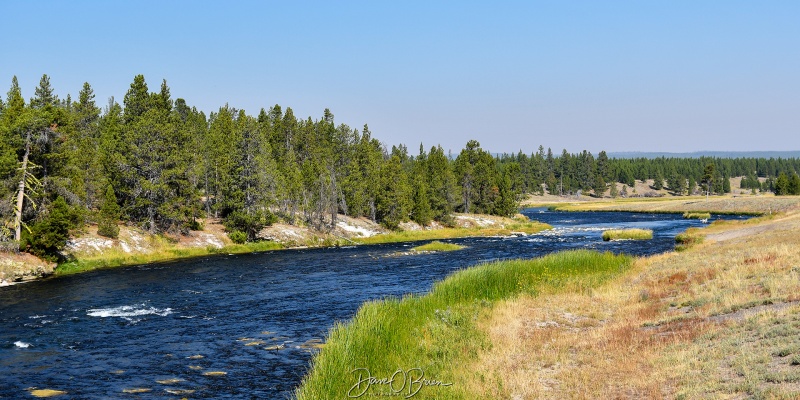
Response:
column 21, row 191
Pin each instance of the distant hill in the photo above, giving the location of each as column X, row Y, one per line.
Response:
column 698, row 154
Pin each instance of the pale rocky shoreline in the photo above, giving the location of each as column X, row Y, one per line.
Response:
column 23, row 267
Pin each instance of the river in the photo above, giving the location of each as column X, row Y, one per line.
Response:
column 96, row 334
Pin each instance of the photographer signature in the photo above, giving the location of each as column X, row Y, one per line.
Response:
column 406, row 383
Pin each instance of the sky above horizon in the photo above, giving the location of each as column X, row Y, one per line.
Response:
column 675, row 76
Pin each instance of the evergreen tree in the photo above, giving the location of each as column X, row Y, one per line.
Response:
column 782, row 185
column 155, row 167
column 393, row 198
column 421, row 211
column 708, row 179
column 443, row 189
column 794, row 185
column 137, row 99
column 691, row 186
column 552, row 184
column 658, row 183
column 614, row 192
column 506, row 204
column 599, row 186
column 109, row 215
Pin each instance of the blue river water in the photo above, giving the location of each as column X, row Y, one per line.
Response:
column 253, row 317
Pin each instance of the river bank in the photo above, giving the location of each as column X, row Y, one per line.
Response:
column 88, row 250
column 719, row 319
column 764, row 204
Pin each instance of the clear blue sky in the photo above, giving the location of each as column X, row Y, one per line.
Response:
column 619, row 76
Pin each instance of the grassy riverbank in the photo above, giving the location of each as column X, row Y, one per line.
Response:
column 718, row 320
column 115, row 258
column 745, row 205
column 440, row 333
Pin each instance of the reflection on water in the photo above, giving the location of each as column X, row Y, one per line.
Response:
column 242, row 326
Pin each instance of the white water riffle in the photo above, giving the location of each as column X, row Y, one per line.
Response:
column 127, row 312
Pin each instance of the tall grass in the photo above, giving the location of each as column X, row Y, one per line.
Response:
column 629, row 234
column 688, row 239
column 438, row 332
column 117, row 257
column 438, row 246
column 696, row 215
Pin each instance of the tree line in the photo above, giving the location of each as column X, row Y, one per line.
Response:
column 160, row 164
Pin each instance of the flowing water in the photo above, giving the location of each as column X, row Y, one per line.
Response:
column 255, row 318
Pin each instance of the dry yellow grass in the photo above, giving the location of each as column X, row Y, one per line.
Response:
column 720, row 320
column 763, row 204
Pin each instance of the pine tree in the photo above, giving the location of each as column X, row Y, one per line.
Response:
column 109, row 215
column 552, row 184
column 708, row 179
column 443, row 189
column 83, row 165
column 794, row 185
column 658, row 183
column 137, row 100
column 421, row 211
column 614, row 192
column 782, row 185
column 506, row 204
column 393, row 198
column 155, row 165
column 599, row 186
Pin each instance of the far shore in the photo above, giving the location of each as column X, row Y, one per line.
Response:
column 93, row 252
column 24, row 267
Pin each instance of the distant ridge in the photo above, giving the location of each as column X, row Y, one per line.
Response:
column 698, row 154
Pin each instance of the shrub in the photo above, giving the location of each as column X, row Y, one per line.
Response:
column 249, row 223
column 238, row 237
column 108, row 228
column 49, row 235
column 195, row 225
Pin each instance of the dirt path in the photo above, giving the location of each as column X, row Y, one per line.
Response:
column 732, row 234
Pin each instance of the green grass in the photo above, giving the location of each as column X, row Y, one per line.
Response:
column 118, row 258
column 696, row 215
column 451, row 233
column 438, row 332
column 629, row 234
column 438, row 246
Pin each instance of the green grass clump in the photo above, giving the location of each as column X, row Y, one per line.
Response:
column 685, row 240
column 631, row 234
column 118, row 258
column 696, row 215
column 438, row 332
column 438, row 246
